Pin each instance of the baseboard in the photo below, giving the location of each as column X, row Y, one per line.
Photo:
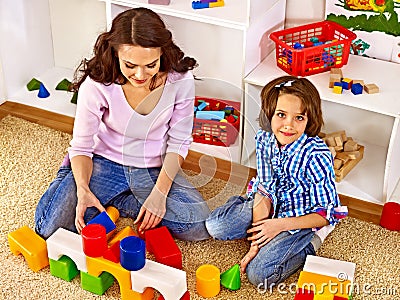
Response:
column 197, row 162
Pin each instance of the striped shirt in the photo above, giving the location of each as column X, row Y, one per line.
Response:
column 298, row 178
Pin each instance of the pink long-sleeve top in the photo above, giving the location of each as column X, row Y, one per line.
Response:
column 105, row 124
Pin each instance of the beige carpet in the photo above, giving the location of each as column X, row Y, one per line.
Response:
column 30, row 156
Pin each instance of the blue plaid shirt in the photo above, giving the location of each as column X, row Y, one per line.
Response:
column 298, row 178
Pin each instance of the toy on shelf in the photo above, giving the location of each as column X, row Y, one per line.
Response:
column 207, row 4
column 208, row 281
column 338, row 83
column 63, row 85
column 33, row 84
column 43, row 92
column 346, row 152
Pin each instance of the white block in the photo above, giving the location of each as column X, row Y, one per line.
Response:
column 170, row 282
column 65, row 242
column 330, row 267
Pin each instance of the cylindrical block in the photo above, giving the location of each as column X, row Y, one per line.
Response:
column 390, row 218
column 94, row 240
column 113, row 213
column 133, row 253
column 208, row 281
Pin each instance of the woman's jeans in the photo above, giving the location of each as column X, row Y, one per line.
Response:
column 125, row 188
column 277, row 260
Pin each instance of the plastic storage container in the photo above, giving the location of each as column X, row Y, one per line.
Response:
column 312, row 48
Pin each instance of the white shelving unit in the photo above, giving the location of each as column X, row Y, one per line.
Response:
column 372, row 120
column 228, row 42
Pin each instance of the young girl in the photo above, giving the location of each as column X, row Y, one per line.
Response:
column 294, row 193
column 131, row 134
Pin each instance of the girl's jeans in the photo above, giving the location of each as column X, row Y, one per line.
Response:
column 277, row 260
column 125, row 188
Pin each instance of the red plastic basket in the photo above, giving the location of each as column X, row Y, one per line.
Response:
column 332, row 53
column 216, row 132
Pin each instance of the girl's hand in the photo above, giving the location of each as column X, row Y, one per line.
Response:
column 248, row 258
column 152, row 211
column 265, row 230
column 85, row 199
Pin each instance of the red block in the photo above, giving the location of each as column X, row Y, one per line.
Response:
column 186, row 296
column 161, row 244
column 303, row 294
column 113, row 253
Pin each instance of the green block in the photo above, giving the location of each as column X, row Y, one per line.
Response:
column 64, row 268
column 231, row 278
column 96, row 285
column 74, row 98
column 63, row 85
column 33, row 85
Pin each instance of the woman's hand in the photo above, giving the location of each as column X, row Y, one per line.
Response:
column 265, row 230
column 85, row 199
column 152, row 211
column 248, row 258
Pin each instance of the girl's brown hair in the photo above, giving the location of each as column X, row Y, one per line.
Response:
column 137, row 27
column 300, row 87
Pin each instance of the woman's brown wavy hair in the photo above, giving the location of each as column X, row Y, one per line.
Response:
column 137, row 27
column 300, row 87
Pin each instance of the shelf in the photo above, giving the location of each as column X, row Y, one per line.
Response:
column 358, row 67
column 232, row 14
column 58, row 101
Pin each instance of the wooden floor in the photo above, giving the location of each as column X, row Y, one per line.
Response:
column 195, row 161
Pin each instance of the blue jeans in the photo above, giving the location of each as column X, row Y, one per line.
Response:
column 125, row 188
column 277, row 260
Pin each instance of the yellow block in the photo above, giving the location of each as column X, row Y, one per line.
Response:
column 97, row 265
column 324, row 285
column 34, row 248
column 113, row 213
column 216, row 4
column 208, row 281
column 119, row 236
column 337, row 89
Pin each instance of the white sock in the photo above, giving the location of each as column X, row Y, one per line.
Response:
column 321, row 235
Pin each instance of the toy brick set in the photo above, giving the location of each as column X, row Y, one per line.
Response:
column 339, row 84
column 100, row 255
column 346, row 152
column 216, row 121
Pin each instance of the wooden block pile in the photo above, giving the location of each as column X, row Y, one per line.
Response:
column 339, row 83
column 345, row 151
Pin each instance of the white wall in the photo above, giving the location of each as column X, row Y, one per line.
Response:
column 299, row 12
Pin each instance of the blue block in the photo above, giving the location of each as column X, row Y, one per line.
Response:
column 43, row 92
column 357, row 88
column 337, row 83
column 105, row 220
column 210, row 115
column 199, row 5
column 202, row 106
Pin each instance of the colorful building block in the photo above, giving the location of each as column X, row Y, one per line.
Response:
column 133, row 253
column 230, row 279
column 43, row 92
column 208, row 281
column 113, row 253
column 371, row 88
column 170, row 282
column 63, row 85
column 207, row 4
column 356, row 88
column 94, row 240
column 346, row 83
column 103, row 219
column 33, row 84
column 97, row 265
column 210, row 115
column 337, row 89
column 127, row 231
column 64, row 242
column 97, row 285
column 186, row 296
column 304, row 294
column 63, row 268
column 161, row 244
column 33, row 247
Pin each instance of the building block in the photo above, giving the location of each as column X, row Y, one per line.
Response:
column 208, row 281
column 356, row 88
column 170, row 282
column 74, row 98
column 160, row 2
column 133, row 253
column 207, row 4
column 186, row 296
column 63, row 268
column 97, row 285
column 103, row 219
column 346, row 83
column 64, row 242
column 323, row 284
column 161, row 244
column 371, row 88
column 113, row 253
column 304, row 294
column 33, row 84
column 390, row 218
column 210, row 115
column 33, row 247
column 97, row 265
column 63, row 85
column 127, row 231
column 43, row 92
column 113, row 213
column 94, row 240
column 337, row 89
column 230, row 279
